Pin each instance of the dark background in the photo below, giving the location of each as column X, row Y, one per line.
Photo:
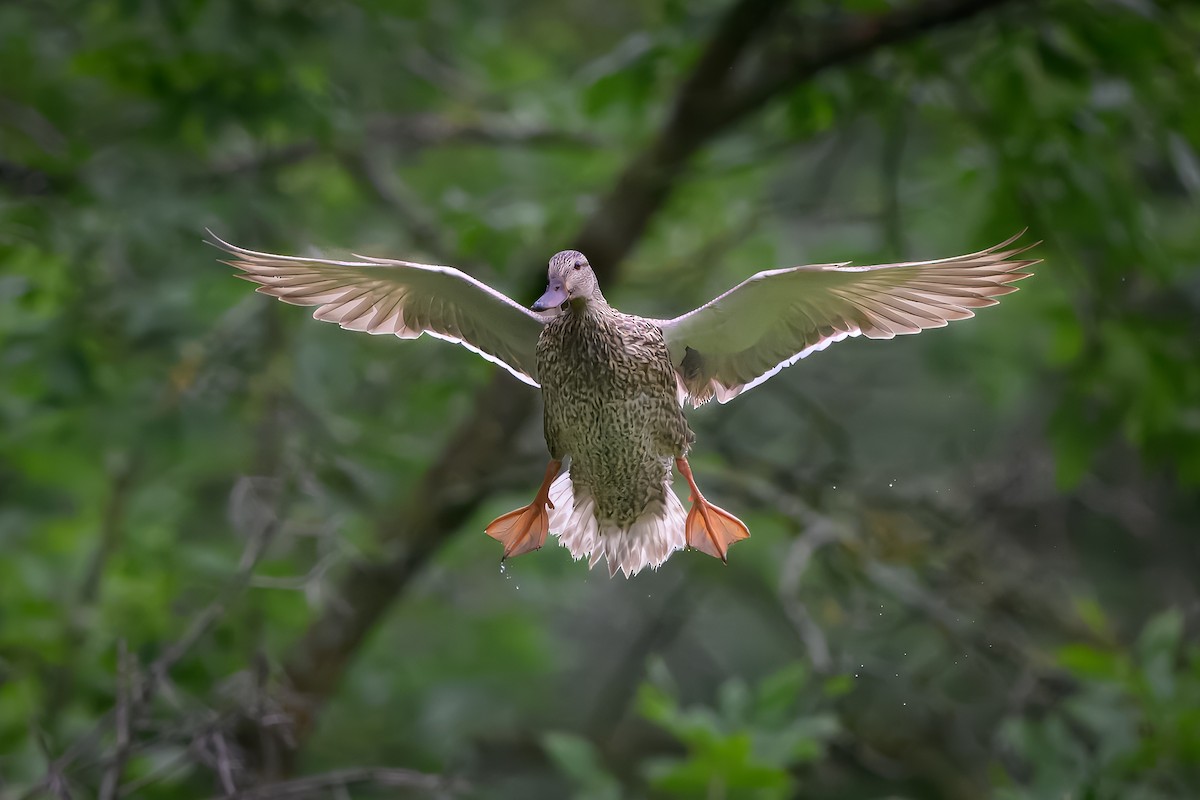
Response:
column 241, row 552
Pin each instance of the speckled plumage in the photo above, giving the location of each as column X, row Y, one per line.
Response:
column 612, row 408
column 611, row 405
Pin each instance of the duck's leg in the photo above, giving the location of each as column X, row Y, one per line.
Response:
column 710, row 529
column 524, row 530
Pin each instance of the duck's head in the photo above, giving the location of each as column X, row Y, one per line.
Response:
column 569, row 279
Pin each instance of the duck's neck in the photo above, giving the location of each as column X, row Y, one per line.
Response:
column 590, row 305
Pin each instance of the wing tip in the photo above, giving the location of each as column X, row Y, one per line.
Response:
column 213, row 240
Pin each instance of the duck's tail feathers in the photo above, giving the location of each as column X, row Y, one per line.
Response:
column 647, row 542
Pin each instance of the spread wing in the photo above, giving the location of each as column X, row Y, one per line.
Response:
column 778, row 317
column 380, row 295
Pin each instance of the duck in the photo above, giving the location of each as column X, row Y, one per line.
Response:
column 615, row 385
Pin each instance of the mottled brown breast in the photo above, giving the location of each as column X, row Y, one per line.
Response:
column 611, row 405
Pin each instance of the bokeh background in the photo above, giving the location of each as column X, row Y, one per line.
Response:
column 241, row 552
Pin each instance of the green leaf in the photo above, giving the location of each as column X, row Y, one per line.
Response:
column 837, row 686
column 1157, row 649
column 779, row 693
column 1161, row 635
column 1088, row 662
column 578, row 760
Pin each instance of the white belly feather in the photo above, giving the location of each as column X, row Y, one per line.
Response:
column 647, row 542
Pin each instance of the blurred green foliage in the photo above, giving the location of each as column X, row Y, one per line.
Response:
column 744, row 747
column 974, row 554
column 1132, row 729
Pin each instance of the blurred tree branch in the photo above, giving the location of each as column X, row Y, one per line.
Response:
column 121, row 473
column 408, row 131
column 838, row 43
column 709, row 101
column 27, row 181
column 945, row 595
column 137, row 689
column 111, row 782
column 342, row 779
column 371, row 167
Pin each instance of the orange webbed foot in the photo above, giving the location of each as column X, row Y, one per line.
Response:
column 521, row 531
column 524, row 530
column 711, row 529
